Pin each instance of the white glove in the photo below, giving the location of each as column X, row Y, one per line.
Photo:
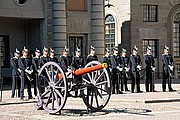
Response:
column 19, row 70
column 31, row 71
column 120, row 69
column 139, row 67
column 153, row 68
column 28, row 71
column 127, row 69
column 171, row 67
column 69, row 70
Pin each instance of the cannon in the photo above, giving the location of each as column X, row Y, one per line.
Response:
column 54, row 86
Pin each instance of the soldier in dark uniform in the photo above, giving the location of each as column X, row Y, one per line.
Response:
column 168, row 67
column 126, row 68
column 52, row 56
column 65, row 60
column 15, row 73
column 116, row 69
column 25, row 65
column 107, row 59
column 36, row 61
column 44, row 58
column 91, row 56
column 77, row 63
column 135, row 67
column 149, row 69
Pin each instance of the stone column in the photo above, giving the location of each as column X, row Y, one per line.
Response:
column 97, row 26
column 59, row 25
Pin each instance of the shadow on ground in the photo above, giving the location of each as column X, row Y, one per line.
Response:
column 84, row 112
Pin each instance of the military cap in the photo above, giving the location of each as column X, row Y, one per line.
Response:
column 25, row 49
column 115, row 48
column 124, row 50
column 77, row 49
column 16, row 51
column 65, row 49
column 166, row 47
column 45, row 49
column 51, row 50
column 38, row 51
column 107, row 50
column 92, row 48
column 135, row 48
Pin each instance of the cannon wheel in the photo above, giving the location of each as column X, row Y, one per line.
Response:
column 51, row 91
column 97, row 92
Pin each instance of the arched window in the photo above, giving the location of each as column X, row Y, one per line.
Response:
column 176, row 38
column 109, row 32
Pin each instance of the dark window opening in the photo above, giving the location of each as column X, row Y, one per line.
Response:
column 153, row 43
column 150, row 13
column 4, row 51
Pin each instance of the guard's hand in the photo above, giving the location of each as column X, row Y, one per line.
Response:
column 26, row 70
column 171, row 67
column 153, row 68
column 119, row 68
column 69, row 70
column 127, row 69
column 19, row 70
column 139, row 67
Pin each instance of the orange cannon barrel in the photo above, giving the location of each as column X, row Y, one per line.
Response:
column 87, row 70
column 90, row 69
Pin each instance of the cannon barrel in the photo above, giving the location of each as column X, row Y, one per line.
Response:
column 90, row 69
column 87, row 70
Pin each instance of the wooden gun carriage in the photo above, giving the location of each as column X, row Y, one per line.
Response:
column 54, row 86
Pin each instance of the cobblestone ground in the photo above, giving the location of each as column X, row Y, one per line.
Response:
column 125, row 106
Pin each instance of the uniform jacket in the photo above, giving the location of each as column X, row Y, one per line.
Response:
column 167, row 60
column 65, row 62
column 107, row 59
column 91, row 58
column 116, row 61
column 125, row 61
column 54, row 59
column 14, row 65
column 77, row 62
column 44, row 60
column 149, row 61
column 135, row 60
column 36, row 63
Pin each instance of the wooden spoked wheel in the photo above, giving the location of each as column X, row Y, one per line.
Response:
column 51, row 89
column 97, row 92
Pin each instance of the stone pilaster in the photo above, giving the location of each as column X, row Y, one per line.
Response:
column 59, row 25
column 97, row 26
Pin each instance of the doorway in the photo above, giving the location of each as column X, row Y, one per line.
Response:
column 75, row 42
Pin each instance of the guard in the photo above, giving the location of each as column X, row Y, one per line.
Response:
column 52, row 56
column 116, row 69
column 15, row 73
column 92, row 56
column 44, row 58
column 149, row 70
column 107, row 59
column 36, row 61
column 135, row 67
column 126, row 69
column 65, row 60
column 25, row 65
column 77, row 63
column 168, row 67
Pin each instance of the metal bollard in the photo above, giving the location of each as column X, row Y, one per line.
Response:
column 1, row 89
